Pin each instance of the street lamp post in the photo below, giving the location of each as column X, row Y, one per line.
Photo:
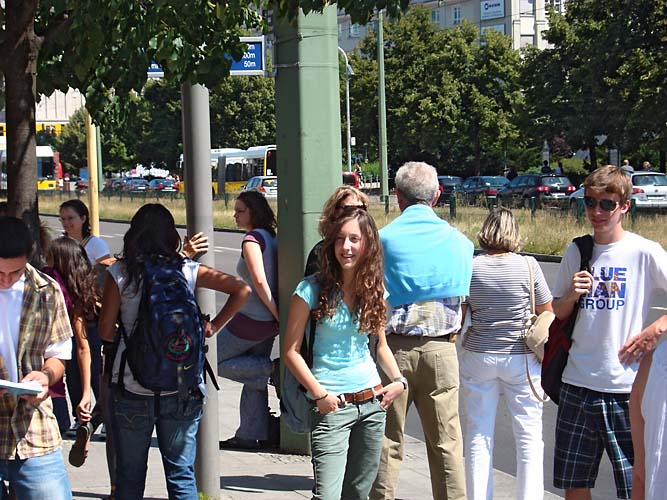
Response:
column 348, row 73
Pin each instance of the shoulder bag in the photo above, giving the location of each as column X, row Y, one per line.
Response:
column 536, row 331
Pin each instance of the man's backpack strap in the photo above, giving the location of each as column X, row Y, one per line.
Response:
column 585, row 245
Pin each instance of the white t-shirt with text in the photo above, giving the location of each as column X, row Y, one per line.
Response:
column 625, row 274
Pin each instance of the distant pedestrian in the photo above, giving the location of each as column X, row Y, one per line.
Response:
column 511, row 173
column 559, row 168
column 36, row 341
column 427, row 267
column 646, row 166
column 245, row 344
column 346, row 300
column 495, row 358
column 137, row 411
column 546, row 169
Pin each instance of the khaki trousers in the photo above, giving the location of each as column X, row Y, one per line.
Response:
column 432, row 369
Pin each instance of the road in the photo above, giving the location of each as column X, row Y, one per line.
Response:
column 227, row 251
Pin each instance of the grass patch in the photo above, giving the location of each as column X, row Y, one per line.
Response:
column 548, row 232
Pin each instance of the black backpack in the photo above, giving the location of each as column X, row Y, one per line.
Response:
column 166, row 349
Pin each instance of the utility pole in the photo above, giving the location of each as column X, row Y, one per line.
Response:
column 93, row 194
column 382, row 118
column 348, row 73
column 308, row 146
column 199, row 218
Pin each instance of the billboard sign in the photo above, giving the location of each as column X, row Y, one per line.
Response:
column 491, row 9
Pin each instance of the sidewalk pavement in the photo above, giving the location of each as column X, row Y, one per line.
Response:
column 258, row 475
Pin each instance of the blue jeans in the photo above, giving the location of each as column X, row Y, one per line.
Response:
column 346, row 446
column 133, row 418
column 38, row 478
column 248, row 362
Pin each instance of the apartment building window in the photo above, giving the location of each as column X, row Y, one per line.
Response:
column 527, row 7
column 557, row 5
column 341, row 29
column 456, row 16
column 355, row 30
column 435, row 16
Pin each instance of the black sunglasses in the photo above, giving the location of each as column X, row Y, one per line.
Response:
column 351, row 207
column 605, row 204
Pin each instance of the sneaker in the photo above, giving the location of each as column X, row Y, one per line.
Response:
column 79, row 451
column 235, row 443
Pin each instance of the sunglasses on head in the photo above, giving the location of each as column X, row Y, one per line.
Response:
column 605, row 204
column 350, row 207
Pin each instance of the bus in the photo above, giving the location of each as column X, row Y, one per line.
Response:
column 235, row 169
column 49, row 169
column 215, row 154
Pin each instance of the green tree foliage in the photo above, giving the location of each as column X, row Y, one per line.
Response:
column 451, row 97
column 104, row 47
column 605, row 74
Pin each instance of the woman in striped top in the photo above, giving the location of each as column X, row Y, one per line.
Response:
column 494, row 359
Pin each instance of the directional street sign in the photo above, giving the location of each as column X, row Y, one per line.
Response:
column 253, row 61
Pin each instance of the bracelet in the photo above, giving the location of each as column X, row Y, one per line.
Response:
column 321, row 397
column 402, row 380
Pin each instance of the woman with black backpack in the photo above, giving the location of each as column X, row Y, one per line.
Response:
column 151, row 268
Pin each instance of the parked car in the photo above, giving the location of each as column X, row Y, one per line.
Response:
column 481, row 185
column 649, row 190
column 163, row 185
column 114, row 185
column 351, row 179
column 447, row 185
column 135, row 186
column 265, row 184
column 548, row 189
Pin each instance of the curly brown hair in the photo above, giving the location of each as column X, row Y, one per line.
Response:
column 368, row 286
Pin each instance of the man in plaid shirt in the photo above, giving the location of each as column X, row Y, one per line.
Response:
column 35, row 341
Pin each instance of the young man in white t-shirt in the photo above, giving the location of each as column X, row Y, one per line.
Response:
column 613, row 297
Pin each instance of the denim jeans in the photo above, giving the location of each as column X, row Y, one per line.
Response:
column 346, row 446
column 483, row 378
column 38, row 478
column 176, row 422
column 248, row 362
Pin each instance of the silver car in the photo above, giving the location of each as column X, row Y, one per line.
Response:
column 649, row 190
column 265, row 184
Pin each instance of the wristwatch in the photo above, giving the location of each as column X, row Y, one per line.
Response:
column 403, row 381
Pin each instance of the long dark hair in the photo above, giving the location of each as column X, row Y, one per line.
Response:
column 261, row 214
column 152, row 235
column 72, row 264
column 80, row 208
column 368, row 285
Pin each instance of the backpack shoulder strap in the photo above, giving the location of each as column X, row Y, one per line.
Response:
column 585, row 245
column 311, row 341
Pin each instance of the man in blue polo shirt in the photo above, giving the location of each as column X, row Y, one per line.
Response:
column 427, row 266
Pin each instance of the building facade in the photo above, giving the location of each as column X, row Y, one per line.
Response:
column 522, row 20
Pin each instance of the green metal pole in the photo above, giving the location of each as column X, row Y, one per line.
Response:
column 382, row 118
column 309, row 149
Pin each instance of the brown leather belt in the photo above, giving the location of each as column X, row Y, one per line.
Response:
column 361, row 396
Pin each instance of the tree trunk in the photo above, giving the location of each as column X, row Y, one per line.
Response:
column 20, row 72
column 663, row 161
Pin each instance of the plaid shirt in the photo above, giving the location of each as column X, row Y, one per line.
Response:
column 430, row 318
column 27, row 431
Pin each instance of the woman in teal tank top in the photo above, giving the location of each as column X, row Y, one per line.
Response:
column 346, row 298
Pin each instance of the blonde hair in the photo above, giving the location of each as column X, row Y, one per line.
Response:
column 612, row 179
column 330, row 206
column 500, row 231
